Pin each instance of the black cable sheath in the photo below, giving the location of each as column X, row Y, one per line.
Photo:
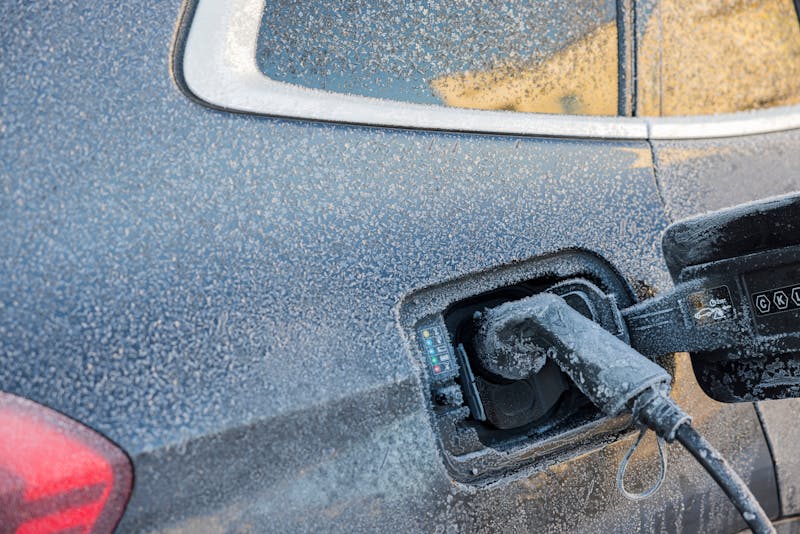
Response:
column 726, row 477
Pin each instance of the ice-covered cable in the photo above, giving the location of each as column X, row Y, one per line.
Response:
column 614, row 376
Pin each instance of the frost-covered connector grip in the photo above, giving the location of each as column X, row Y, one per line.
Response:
column 671, row 323
column 608, row 371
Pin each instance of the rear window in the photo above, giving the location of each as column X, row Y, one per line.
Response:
column 552, row 57
column 687, row 57
column 717, row 56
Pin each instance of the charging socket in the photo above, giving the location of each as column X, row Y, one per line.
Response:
column 491, row 423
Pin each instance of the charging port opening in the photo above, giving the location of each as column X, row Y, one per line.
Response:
column 514, row 410
column 489, row 424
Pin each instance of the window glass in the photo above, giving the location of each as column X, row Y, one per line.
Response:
column 717, row 56
column 557, row 56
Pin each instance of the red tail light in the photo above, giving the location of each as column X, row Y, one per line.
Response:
column 57, row 475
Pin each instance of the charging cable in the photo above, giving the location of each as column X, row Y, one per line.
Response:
column 614, row 376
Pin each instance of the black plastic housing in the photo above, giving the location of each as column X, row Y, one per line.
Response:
column 750, row 256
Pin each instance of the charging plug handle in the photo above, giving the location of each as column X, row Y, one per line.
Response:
column 605, row 369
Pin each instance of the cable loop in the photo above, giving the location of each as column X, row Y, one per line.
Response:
column 662, row 452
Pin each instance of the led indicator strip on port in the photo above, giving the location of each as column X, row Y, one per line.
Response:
column 435, row 345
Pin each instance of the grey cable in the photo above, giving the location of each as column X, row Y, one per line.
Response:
column 726, row 477
column 662, row 452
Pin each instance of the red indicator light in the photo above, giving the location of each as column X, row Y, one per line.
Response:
column 437, row 369
column 56, row 475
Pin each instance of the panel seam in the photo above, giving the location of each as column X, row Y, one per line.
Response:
column 771, row 449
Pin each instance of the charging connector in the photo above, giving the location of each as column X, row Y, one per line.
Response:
column 614, row 376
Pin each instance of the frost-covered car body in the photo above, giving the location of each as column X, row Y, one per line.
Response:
column 220, row 291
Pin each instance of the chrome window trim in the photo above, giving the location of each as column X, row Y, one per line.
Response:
column 219, row 68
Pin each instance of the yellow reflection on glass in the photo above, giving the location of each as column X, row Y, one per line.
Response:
column 718, row 56
column 579, row 79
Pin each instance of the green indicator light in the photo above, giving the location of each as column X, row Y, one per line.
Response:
column 434, row 360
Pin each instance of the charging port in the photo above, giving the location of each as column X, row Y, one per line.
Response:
column 496, row 412
column 516, row 394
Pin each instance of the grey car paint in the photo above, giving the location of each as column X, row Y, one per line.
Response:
column 703, row 175
column 217, row 293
